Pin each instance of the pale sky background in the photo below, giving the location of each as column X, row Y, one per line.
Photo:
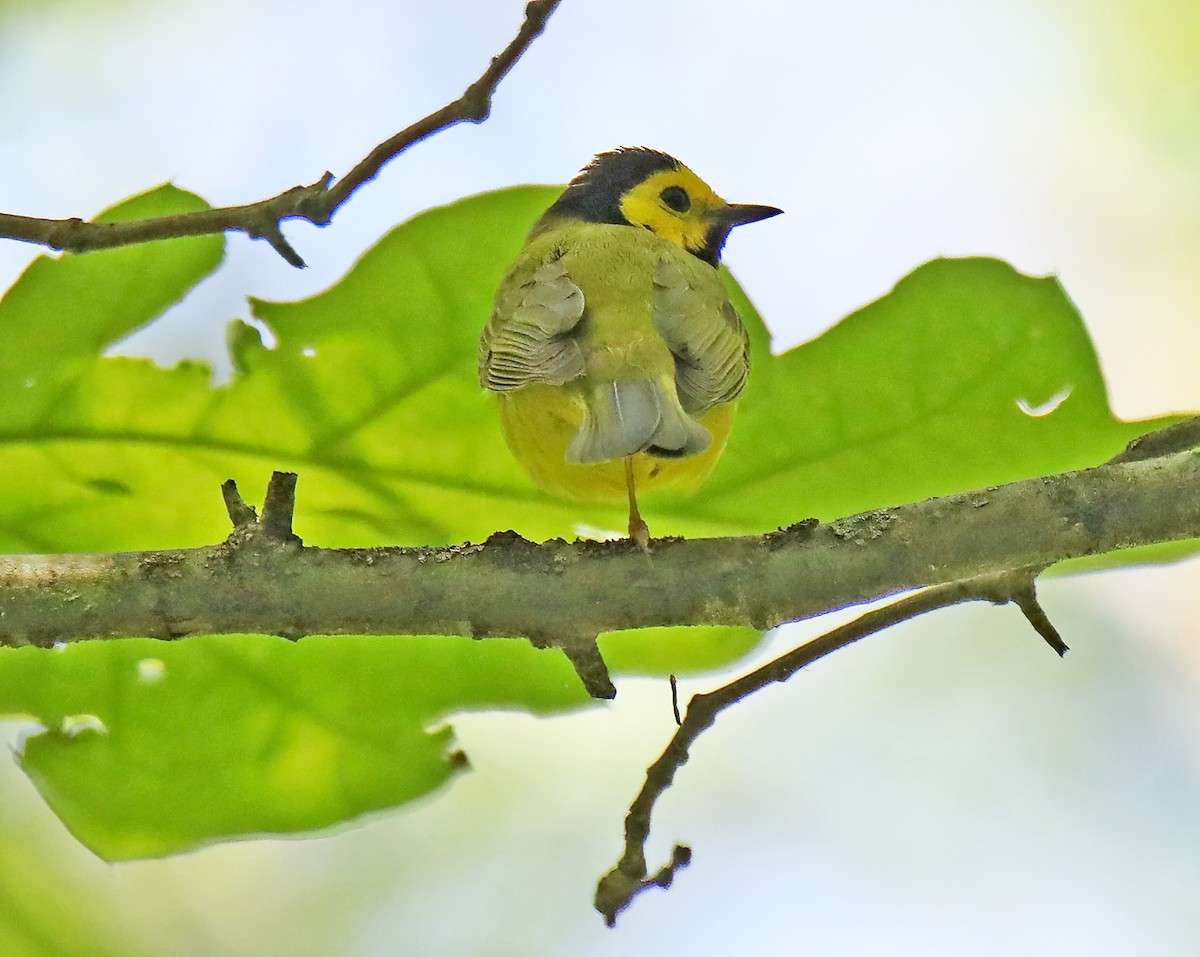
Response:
column 946, row 789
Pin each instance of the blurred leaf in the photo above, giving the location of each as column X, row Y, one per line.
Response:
column 50, row 907
column 680, row 651
column 78, row 443
column 370, row 394
column 157, row 747
column 63, row 312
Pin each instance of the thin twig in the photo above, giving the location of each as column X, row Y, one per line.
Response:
column 628, row 879
column 241, row 514
column 1025, row 597
column 316, row 202
column 279, row 506
column 1174, row 438
column 255, row 534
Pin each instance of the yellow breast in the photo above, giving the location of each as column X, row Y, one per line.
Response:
column 540, row 421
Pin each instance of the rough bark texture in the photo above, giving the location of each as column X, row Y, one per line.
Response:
column 564, row 594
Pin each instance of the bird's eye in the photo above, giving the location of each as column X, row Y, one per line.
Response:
column 676, row 198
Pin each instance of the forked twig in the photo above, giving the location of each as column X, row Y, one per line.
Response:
column 618, row 888
column 316, row 202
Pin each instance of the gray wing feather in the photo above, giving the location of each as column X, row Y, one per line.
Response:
column 706, row 336
column 624, row 418
column 528, row 337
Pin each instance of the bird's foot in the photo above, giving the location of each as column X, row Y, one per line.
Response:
column 639, row 532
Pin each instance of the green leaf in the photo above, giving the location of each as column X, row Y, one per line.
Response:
column 63, row 312
column 156, row 747
column 370, row 394
column 77, row 470
column 679, row 651
column 967, row 374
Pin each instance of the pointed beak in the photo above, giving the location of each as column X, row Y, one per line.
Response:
column 738, row 214
column 722, row 219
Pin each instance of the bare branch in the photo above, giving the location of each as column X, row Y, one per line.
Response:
column 473, row 106
column 241, row 514
column 316, row 203
column 253, row 534
column 628, row 879
column 279, row 506
column 1174, row 438
column 1025, row 598
column 500, row 588
column 589, row 665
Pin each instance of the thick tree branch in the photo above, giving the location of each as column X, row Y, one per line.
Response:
column 316, row 203
column 500, row 587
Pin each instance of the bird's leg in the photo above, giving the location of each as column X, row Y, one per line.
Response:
column 639, row 531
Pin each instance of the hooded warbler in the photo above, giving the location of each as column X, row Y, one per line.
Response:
column 612, row 345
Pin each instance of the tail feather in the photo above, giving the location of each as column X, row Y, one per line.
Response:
column 623, row 418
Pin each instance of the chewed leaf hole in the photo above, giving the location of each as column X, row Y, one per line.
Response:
column 73, row 725
column 266, row 334
column 1043, row 409
column 150, row 670
column 26, row 730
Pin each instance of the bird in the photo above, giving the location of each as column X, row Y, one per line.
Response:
column 612, row 346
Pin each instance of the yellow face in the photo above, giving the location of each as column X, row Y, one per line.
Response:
column 675, row 204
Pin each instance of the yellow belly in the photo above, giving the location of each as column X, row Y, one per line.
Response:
column 539, row 422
